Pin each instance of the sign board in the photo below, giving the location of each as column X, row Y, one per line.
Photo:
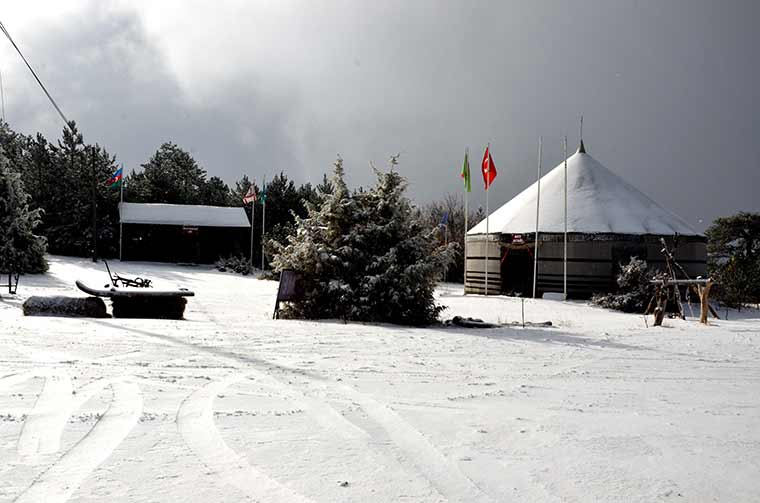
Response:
column 518, row 239
column 189, row 230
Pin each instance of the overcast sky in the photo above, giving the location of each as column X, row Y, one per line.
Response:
column 670, row 90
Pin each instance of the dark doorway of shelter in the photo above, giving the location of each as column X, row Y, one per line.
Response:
column 191, row 246
column 517, row 272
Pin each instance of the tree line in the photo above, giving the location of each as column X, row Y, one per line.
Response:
column 64, row 177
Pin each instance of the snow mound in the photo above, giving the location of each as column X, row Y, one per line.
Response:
column 78, row 307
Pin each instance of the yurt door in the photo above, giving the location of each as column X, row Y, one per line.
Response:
column 517, row 271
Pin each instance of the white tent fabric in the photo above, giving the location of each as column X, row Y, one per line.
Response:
column 182, row 214
column 598, row 201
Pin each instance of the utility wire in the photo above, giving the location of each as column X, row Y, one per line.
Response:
column 2, row 94
column 57, row 108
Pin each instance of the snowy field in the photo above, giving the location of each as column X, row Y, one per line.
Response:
column 229, row 405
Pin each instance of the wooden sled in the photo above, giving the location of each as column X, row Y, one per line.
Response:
column 142, row 302
column 133, row 292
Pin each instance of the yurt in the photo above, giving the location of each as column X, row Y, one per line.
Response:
column 608, row 221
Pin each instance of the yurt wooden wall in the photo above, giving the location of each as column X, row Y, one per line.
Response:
column 593, row 261
column 475, row 269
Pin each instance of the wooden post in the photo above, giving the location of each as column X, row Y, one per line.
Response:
column 704, row 299
column 659, row 311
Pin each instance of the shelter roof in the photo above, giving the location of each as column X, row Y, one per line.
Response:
column 182, row 214
column 598, row 201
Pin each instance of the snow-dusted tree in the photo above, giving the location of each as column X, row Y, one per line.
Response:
column 733, row 258
column 453, row 205
column 20, row 249
column 366, row 256
column 634, row 289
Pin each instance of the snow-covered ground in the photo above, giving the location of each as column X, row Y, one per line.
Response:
column 229, row 405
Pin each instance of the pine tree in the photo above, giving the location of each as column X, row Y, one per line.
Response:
column 21, row 250
column 733, row 260
column 171, row 175
column 366, row 256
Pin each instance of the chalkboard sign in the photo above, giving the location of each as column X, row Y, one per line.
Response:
column 291, row 289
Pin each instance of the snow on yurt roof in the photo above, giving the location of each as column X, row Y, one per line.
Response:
column 598, row 201
column 182, row 214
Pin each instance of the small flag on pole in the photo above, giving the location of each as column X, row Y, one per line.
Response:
column 444, row 219
column 465, row 174
column 263, row 196
column 250, row 196
column 489, row 169
column 116, row 178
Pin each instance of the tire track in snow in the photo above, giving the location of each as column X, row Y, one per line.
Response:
column 323, row 413
column 195, row 421
column 443, row 474
column 196, row 424
column 58, row 483
column 41, row 433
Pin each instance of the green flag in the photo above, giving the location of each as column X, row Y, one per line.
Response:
column 465, row 174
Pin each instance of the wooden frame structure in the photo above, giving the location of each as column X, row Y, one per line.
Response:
column 666, row 289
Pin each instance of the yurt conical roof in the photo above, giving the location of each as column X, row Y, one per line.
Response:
column 598, row 201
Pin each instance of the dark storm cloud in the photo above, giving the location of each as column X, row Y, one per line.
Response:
column 670, row 90
column 114, row 82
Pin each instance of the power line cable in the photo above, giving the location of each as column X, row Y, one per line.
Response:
column 2, row 94
column 57, row 108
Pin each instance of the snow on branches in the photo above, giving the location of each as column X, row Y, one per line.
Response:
column 365, row 255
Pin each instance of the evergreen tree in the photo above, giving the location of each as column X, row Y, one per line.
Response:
column 76, row 181
column 171, row 176
column 20, row 249
column 40, row 174
column 216, row 193
column 366, row 256
column 325, row 187
column 733, row 246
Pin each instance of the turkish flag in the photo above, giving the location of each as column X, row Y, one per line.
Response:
column 488, row 168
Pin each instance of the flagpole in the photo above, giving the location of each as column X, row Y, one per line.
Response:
column 488, row 215
column 263, row 220
column 121, row 203
column 446, row 243
column 538, row 201
column 253, row 215
column 564, row 149
column 466, row 214
column 263, row 223
column 94, row 206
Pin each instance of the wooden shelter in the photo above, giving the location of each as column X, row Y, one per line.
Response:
column 183, row 232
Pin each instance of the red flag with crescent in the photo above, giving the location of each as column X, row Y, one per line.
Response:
column 488, row 168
